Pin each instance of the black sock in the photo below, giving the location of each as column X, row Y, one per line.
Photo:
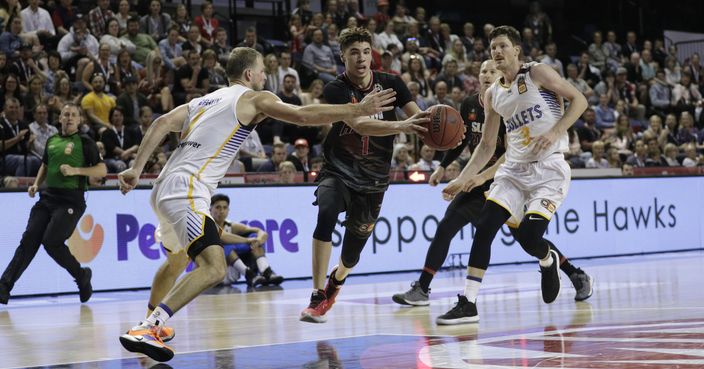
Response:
column 564, row 263
column 425, row 278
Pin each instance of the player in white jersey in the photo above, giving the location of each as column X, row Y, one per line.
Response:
column 532, row 183
column 212, row 129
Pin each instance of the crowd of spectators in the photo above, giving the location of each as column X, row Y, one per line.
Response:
column 126, row 62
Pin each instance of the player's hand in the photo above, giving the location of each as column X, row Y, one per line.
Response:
column 32, row 190
column 464, row 132
column 437, row 176
column 253, row 242
column 458, row 185
column 378, row 101
column 68, row 170
column 544, row 141
column 415, row 124
column 128, row 180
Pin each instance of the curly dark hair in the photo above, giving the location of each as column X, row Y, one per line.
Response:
column 349, row 36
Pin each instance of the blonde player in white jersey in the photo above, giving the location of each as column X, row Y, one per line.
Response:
column 533, row 182
column 212, row 129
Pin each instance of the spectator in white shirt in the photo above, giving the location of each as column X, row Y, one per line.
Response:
column 285, row 69
column 36, row 20
column 388, row 37
column 426, row 162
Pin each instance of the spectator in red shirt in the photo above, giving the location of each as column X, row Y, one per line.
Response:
column 207, row 23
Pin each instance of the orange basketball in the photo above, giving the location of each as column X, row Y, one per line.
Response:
column 445, row 128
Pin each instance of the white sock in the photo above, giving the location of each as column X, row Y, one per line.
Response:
column 262, row 264
column 471, row 288
column 547, row 262
column 158, row 317
column 239, row 266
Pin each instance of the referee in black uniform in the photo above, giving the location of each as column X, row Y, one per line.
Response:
column 69, row 159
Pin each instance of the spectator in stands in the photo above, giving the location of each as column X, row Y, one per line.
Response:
column 5, row 68
column 156, row 24
column 687, row 132
column 478, row 52
column 41, row 129
column 221, row 47
column 334, row 45
column 673, row 72
column 470, row 78
column 171, row 51
column 303, row 11
column 11, row 88
column 193, row 40
column 416, row 72
column 97, row 104
column 597, row 160
column 387, row 59
column 37, row 21
column 550, row 58
column 647, row 66
column 627, row 92
column 33, row 98
column 634, row 68
column 123, row 14
column 155, row 84
column 457, row 96
column 613, row 158
column 353, row 11
column 62, row 95
column 98, row 17
column 182, row 21
column 692, row 158
column 660, row 94
column 694, row 68
column 125, row 66
column 686, row 95
column 16, row 140
column 316, row 164
column 112, row 38
column 607, row 87
column 191, row 80
column 528, row 41
column 297, row 33
column 271, row 69
column 434, row 37
column 671, row 128
column 458, row 54
column 315, row 91
column 319, row 58
column 449, row 75
column 580, row 84
column 121, row 143
column 605, row 115
column 287, row 172
column 588, row 133
column 401, row 19
column 300, row 157
column 539, row 22
column 440, row 96
column 382, row 15
column 631, row 45
column 671, row 152
column 654, row 157
column 638, row 158
column 623, row 137
column 10, row 40
column 401, row 159
column 216, row 74
column 388, row 36
column 63, row 17
column 142, row 41
column 250, row 40
column 336, row 12
column 614, row 51
column 146, row 117
column 207, row 24
column 131, row 101
column 588, row 72
column 25, row 67
column 285, row 69
column 447, row 36
column 468, row 37
column 426, row 161
column 101, row 65
column 598, row 52
column 414, row 89
column 278, row 155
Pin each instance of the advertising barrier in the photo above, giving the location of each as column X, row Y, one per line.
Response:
column 600, row 217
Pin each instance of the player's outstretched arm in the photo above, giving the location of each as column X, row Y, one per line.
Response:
column 169, row 122
column 546, row 77
column 367, row 126
column 322, row 114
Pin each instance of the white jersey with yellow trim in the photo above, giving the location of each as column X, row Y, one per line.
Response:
column 528, row 112
column 210, row 138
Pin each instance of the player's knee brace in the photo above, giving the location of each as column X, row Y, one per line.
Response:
column 360, row 229
column 530, row 235
column 352, row 246
column 327, row 218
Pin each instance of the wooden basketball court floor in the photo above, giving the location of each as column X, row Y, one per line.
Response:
column 646, row 312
